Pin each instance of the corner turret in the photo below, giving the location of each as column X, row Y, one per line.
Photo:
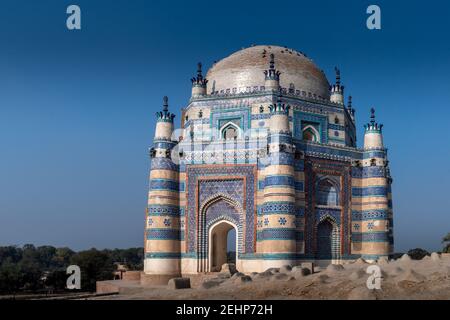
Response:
column 337, row 90
column 373, row 137
column 272, row 76
column 199, row 83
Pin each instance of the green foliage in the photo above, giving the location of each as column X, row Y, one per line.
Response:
column 446, row 238
column 32, row 269
column 446, row 248
column 418, row 253
column 133, row 258
column 10, row 276
column 95, row 266
column 446, row 242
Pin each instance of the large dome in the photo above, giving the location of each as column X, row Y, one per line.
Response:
column 245, row 68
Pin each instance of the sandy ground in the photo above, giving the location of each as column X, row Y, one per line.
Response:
column 401, row 279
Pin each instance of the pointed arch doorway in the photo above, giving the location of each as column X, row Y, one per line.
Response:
column 328, row 244
column 219, row 216
column 222, row 244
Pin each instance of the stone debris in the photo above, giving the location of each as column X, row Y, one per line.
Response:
column 237, row 275
column 228, row 268
column 285, row 269
column 179, row 283
column 263, row 275
column 273, row 270
column 242, row 279
column 300, row 271
column 208, row 284
column 308, row 265
column 360, row 261
column 417, row 279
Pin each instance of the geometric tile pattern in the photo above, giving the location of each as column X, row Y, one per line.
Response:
column 236, row 182
column 318, row 169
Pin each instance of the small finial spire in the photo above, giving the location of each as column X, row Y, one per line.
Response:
column 199, row 80
column 372, row 115
column 272, row 73
column 165, row 115
column 350, row 102
column 272, row 61
column 338, row 75
column 165, row 103
column 199, row 70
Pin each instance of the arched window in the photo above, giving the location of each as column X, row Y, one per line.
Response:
column 230, row 131
column 310, row 134
column 327, row 193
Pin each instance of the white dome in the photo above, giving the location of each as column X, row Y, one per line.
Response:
column 245, row 68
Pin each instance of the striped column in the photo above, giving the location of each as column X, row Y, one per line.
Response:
column 372, row 210
column 278, row 232
column 162, row 244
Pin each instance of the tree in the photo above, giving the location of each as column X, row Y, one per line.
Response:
column 45, row 256
column 56, row 280
column 418, row 253
column 62, row 257
column 30, row 268
column 12, row 252
column 9, row 276
column 33, row 268
column 95, row 266
column 446, row 242
column 133, row 257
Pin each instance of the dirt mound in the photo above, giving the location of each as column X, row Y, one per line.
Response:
column 358, row 274
column 411, row 276
column 334, row 268
column 400, row 279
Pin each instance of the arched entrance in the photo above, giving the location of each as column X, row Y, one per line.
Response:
column 327, row 240
column 220, row 214
column 221, row 244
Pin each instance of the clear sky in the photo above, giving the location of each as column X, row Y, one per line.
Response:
column 77, row 107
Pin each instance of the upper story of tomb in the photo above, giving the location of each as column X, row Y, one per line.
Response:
column 232, row 101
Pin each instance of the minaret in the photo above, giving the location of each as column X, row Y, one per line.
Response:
column 337, row 90
column 373, row 138
column 199, row 83
column 278, row 232
column 272, row 82
column 162, row 241
column 374, row 195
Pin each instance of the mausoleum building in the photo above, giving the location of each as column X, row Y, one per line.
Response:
column 267, row 148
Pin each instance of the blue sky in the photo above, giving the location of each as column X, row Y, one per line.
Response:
column 77, row 107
